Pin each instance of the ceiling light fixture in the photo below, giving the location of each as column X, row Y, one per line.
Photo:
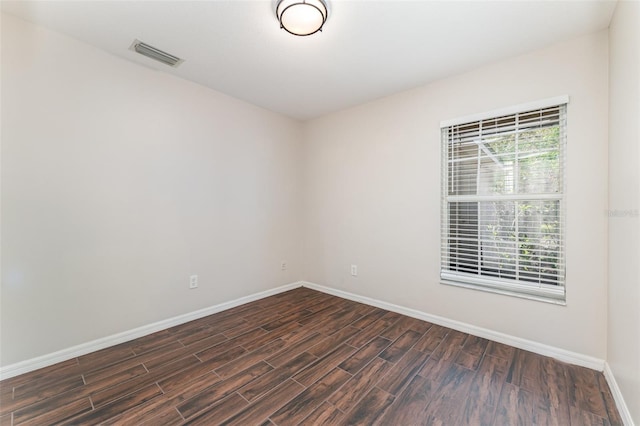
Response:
column 302, row 17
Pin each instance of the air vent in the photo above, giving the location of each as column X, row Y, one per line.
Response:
column 156, row 54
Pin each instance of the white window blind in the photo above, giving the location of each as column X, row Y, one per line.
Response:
column 503, row 203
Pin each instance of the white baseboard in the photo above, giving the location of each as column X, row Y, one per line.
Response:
column 617, row 396
column 529, row 345
column 95, row 345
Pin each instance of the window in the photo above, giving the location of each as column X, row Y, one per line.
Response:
column 503, row 201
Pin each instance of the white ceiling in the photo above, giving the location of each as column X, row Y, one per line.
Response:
column 368, row 48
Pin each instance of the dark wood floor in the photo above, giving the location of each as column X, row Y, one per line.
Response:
column 304, row 357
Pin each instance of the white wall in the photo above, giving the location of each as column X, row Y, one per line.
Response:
column 372, row 180
column 623, row 350
column 118, row 182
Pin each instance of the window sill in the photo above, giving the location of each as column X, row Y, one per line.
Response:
column 506, row 292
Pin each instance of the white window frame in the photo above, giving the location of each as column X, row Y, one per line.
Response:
column 547, row 293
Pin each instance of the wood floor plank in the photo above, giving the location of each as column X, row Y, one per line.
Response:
column 188, row 332
column 472, row 352
column 245, row 327
column 409, row 407
column 450, row 346
column 239, row 363
column 308, row 400
column 56, row 371
column 153, row 342
column 220, row 354
column 484, row 393
column 219, row 411
column 369, row 318
column 240, row 341
column 6, row 420
column 219, row 326
column 373, row 331
column 467, row 360
column 221, row 389
column 108, row 376
column 71, row 396
column 323, row 365
column 443, row 356
column 333, row 326
column 363, row 309
column 264, row 316
column 285, row 319
column 431, row 339
column 24, row 413
column 586, row 418
column 358, row 386
column 147, row 411
column 584, row 393
column 52, row 372
column 500, row 350
column 298, row 311
column 403, row 371
column 128, row 363
column 526, row 370
column 401, row 326
column 290, row 352
column 516, row 370
column 609, row 403
column 105, row 357
column 515, row 406
column 272, row 335
column 106, row 396
column 475, row 345
column 196, row 347
column 451, row 394
column 48, row 388
column 337, row 322
column 364, row 355
column 116, row 407
column 318, row 317
column 33, row 403
column 553, row 391
column 304, row 357
column 435, row 370
column 193, row 326
column 320, row 303
column 159, row 407
column 294, row 337
column 185, row 377
column 263, row 408
column 370, row 408
column 326, row 415
column 59, row 414
column 419, row 326
column 400, row 346
column 6, row 390
column 544, row 413
column 166, row 418
column 330, row 343
column 188, row 337
column 269, row 380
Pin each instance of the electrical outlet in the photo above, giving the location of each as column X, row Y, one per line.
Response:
column 193, row 281
column 354, row 270
column 283, row 266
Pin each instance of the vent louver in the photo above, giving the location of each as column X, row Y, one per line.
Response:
column 155, row 54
